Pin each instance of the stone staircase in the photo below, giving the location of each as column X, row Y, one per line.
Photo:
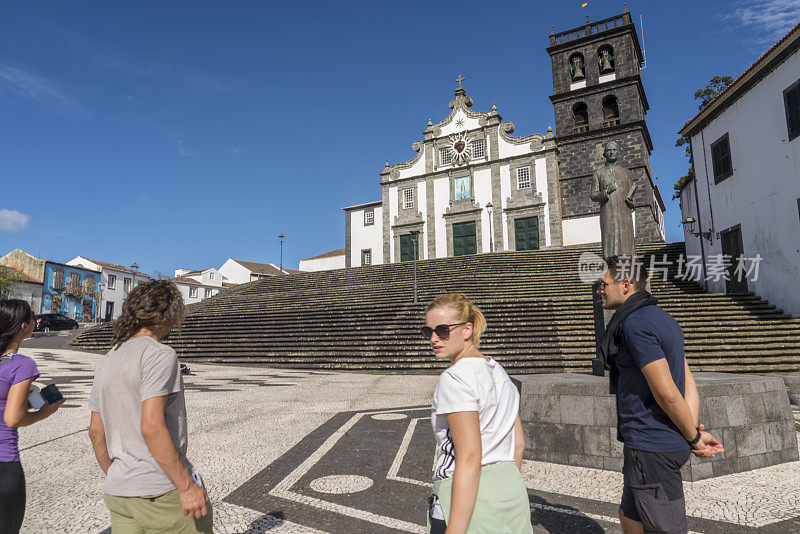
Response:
column 538, row 311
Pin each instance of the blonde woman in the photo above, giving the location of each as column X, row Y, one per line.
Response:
column 477, row 485
column 138, row 422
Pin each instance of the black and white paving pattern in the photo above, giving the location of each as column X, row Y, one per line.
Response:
column 293, row 451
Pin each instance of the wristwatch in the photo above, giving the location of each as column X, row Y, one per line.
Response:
column 696, row 439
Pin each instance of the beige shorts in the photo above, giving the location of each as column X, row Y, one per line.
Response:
column 155, row 514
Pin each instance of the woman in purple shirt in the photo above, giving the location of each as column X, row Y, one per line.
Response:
column 17, row 372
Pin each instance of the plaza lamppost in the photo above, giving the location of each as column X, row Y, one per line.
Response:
column 281, row 237
column 415, row 241
column 491, row 232
column 134, row 266
column 99, row 296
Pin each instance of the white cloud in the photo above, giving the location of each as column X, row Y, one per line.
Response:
column 16, row 83
column 774, row 18
column 13, row 221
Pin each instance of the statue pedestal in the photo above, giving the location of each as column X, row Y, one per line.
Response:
column 571, row 419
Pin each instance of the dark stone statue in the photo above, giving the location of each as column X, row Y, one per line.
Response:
column 613, row 187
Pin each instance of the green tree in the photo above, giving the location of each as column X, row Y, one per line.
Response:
column 8, row 277
column 715, row 86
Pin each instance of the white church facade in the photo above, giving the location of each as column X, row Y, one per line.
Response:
column 474, row 187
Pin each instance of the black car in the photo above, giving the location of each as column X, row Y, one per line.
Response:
column 54, row 321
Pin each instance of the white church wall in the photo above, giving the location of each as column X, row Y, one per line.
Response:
column 468, row 124
column 441, row 201
column 422, row 207
column 392, row 214
column 332, row 262
column 506, row 149
column 581, row 230
column 540, row 170
column 416, row 169
column 505, row 194
column 362, row 237
column 762, row 194
column 483, row 195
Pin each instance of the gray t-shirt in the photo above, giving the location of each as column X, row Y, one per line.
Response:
column 129, row 374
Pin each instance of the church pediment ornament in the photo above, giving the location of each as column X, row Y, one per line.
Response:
column 461, row 148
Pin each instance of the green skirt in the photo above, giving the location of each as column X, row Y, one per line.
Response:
column 502, row 506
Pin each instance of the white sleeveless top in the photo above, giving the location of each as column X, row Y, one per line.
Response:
column 474, row 384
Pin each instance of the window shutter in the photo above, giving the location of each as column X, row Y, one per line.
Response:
column 793, row 111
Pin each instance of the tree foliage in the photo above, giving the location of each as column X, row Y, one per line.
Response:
column 8, row 277
column 715, row 86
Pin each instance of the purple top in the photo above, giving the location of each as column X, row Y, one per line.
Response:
column 14, row 368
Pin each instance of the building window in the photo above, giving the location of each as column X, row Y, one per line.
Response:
column 369, row 217
column 126, row 284
column 524, row 178
column 211, row 276
column 479, row 148
column 58, row 279
column 580, row 116
column 208, row 293
column 577, row 68
column 366, row 257
column 112, row 281
column 445, row 156
column 193, row 292
column 610, row 111
column 791, row 98
column 605, row 59
column 721, row 159
column 408, row 199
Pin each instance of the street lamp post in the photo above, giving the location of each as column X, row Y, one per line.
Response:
column 134, row 266
column 491, row 229
column 415, row 240
column 281, row 237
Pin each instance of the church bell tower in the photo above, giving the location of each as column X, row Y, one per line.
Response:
column 599, row 97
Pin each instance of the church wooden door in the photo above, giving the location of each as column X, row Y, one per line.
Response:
column 464, row 241
column 731, row 240
column 526, row 233
column 407, row 248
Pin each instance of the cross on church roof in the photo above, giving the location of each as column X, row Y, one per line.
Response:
column 459, row 80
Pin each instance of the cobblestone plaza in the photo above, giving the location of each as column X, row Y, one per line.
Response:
column 297, row 451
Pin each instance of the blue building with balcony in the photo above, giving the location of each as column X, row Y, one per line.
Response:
column 70, row 290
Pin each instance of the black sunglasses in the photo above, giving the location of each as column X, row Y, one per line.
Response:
column 442, row 331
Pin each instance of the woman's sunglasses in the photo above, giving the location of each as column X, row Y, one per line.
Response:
column 442, row 331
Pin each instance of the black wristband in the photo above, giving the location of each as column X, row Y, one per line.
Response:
column 696, row 438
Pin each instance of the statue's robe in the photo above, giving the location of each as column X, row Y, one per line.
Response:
column 616, row 221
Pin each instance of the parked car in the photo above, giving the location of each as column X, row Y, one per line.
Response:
column 54, row 321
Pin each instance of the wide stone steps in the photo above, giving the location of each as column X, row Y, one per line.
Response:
column 539, row 314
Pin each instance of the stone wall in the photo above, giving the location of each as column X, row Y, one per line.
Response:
column 571, row 419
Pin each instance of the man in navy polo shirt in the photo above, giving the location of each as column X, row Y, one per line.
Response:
column 657, row 402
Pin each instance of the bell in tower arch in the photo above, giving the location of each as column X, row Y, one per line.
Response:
column 605, row 57
column 576, row 67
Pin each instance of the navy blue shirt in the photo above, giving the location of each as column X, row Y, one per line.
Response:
column 648, row 334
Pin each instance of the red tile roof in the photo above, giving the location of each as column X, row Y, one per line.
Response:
column 114, row 266
column 754, row 73
column 260, row 268
column 329, row 254
column 23, row 277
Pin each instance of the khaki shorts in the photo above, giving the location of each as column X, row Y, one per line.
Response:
column 154, row 514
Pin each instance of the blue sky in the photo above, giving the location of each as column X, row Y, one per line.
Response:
column 179, row 134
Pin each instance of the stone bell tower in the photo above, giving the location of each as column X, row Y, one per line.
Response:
column 598, row 97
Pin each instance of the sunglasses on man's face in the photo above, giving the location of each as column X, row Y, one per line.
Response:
column 442, row 331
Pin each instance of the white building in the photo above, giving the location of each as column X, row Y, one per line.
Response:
column 333, row 259
column 115, row 283
column 242, row 272
column 27, row 288
column 196, row 286
column 745, row 197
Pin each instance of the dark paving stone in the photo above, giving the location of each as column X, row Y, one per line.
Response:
column 369, row 447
